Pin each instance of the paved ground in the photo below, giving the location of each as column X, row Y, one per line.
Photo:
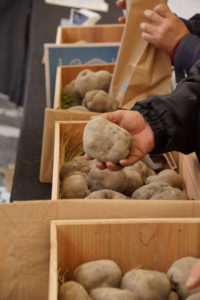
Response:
column 10, row 123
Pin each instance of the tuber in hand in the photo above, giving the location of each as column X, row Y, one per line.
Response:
column 106, row 141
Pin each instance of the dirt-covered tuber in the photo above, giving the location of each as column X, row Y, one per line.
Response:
column 109, row 293
column 71, row 290
column 78, row 163
column 99, row 101
column 169, row 176
column 74, row 186
column 178, row 274
column 173, row 296
column 148, row 190
column 146, row 284
column 88, row 80
column 169, row 193
column 99, row 273
column 194, row 297
column 106, row 179
column 106, row 141
column 106, row 194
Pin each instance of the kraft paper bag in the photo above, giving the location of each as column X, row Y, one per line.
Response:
column 141, row 69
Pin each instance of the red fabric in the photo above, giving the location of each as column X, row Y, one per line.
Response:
column 173, row 56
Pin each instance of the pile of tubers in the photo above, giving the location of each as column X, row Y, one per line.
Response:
column 106, row 141
column 81, row 178
column 89, row 92
column 104, row 280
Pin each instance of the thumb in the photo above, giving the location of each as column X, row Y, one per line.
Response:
column 163, row 10
column 194, row 277
column 114, row 117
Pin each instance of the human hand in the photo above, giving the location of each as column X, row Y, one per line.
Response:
column 164, row 29
column 121, row 4
column 194, row 277
column 143, row 137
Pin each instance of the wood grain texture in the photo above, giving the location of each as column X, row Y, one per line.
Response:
column 71, row 130
column 106, row 33
column 47, row 155
column 151, row 243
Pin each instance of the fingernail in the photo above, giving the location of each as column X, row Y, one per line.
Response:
column 190, row 282
column 147, row 12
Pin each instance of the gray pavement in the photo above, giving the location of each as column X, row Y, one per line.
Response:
column 10, row 123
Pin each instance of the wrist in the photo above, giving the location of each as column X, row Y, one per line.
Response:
column 174, row 51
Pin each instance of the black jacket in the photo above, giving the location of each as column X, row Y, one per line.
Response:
column 188, row 51
column 175, row 118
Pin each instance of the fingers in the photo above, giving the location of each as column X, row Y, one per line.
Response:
column 122, row 20
column 149, row 38
column 194, row 278
column 88, row 157
column 100, row 165
column 121, row 4
column 109, row 165
column 153, row 17
column 114, row 117
column 163, row 10
column 129, row 161
column 147, row 28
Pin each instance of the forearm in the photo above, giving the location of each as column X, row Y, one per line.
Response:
column 174, row 118
column 187, row 51
column 187, row 54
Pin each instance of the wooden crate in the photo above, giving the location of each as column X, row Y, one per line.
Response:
column 153, row 244
column 106, row 33
column 65, row 74
column 61, row 130
column 47, row 155
column 24, row 267
column 188, row 165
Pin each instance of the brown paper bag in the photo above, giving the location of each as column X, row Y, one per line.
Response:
column 141, row 69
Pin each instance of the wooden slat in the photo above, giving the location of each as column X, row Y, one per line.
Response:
column 61, row 129
column 59, row 35
column 58, row 87
column 92, row 34
column 189, row 167
column 151, row 243
column 24, row 264
column 47, row 156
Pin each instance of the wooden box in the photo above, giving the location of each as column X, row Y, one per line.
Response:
column 24, row 267
column 153, row 244
column 47, row 155
column 65, row 74
column 105, row 33
column 188, row 165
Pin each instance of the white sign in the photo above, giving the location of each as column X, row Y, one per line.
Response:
column 88, row 4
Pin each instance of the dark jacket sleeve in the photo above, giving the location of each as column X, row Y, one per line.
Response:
column 175, row 118
column 188, row 51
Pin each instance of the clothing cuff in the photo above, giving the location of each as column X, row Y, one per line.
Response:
column 173, row 56
column 157, row 126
